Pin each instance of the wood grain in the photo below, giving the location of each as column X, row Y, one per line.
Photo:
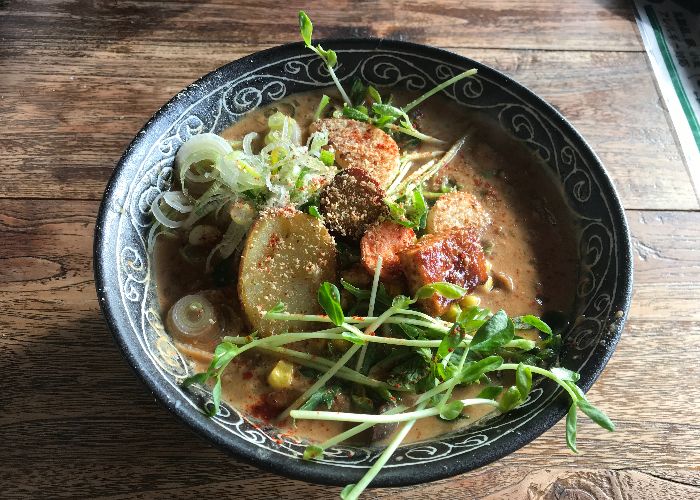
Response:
column 597, row 25
column 79, row 78
column 69, row 129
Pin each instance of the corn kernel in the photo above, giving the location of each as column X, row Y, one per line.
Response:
column 469, row 301
column 487, row 286
column 452, row 313
column 282, row 375
column 488, row 265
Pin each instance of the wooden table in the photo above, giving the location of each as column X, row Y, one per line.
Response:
column 77, row 81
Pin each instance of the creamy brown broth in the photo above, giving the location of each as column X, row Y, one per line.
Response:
column 531, row 239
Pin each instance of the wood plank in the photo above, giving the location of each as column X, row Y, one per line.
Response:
column 77, row 422
column 72, row 121
column 543, row 24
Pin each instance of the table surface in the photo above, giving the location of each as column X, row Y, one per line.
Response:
column 78, row 80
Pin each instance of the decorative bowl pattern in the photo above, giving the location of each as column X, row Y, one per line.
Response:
column 222, row 97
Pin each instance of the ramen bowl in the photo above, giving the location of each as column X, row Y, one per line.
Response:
column 125, row 284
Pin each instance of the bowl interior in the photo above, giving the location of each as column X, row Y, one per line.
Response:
column 125, row 287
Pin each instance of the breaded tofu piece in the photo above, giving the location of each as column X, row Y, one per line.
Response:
column 457, row 209
column 361, row 145
column 454, row 256
column 287, row 256
column 352, row 202
column 386, row 239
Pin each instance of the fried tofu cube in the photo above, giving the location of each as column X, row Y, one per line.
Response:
column 361, row 145
column 454, row 256
column 386, row 239
column 457, row 209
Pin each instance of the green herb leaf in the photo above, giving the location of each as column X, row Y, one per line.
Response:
column 565, row 374
column 327, row 157
column 495, row 333
column 529, row 321
column 355, row 114
column 571, row 428
column 510, row 399
column 352, row 337
column 223, row 354
column 216, row 398
column 325, row 395
column 358, row 91
column 451, row 410
column 374, row 94
column 199, row 378
column 523, row 380
column 473, row 370
column 490, row 392
column 598, row 416
column 312, row 452
column 279, row 308
column 447, row 290
column 357, row 292
column 401, row 302
column 321, row 106
column 346, row 491
column 305, row 27
column 329, row 298
column 313, row 211
column 450, row 342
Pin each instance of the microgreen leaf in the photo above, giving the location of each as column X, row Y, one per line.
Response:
column 571, row 428
column 327, row 157
column 321, row 106
column 523, row 380
column 357, row 292
column 447, row 290
column 565, row 374
column 215, row 397
column 374, row 94
column 278, row 308
column 325, row 395
column 596, row 415
column 510, row 399
column 223, row 354
column 313, row 211
column 451, row 410
column 449, row 342
column 352, row 337
column 490, row 392
column 529, row 321
column 473, row 370
column 358, row 91
column 199, row 378
column 312, row 451
column 329, row 298
column 305, row 27
column 495, row 333
column 355, row 114
column 346, row 491
column 401, row 302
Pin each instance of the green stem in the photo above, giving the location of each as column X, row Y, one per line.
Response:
column 384, row 418
column 323, row 364
column 355, row 491
column 408, row 107
column 546, row 373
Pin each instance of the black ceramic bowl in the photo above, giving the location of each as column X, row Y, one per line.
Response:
column 127, row 297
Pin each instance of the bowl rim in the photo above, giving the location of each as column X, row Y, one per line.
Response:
column 333, row 475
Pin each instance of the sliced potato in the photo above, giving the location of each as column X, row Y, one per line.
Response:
column 361, row 145
column 455, row 210
column 286, row 257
